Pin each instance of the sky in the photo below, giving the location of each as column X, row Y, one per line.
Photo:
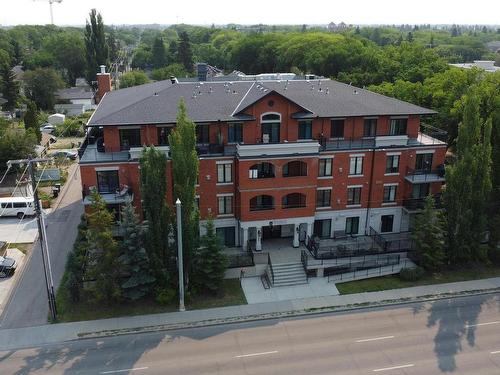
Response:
column 206, row 12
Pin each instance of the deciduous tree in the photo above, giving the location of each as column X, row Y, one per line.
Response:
column 185, row 166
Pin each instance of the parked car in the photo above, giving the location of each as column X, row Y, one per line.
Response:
column 7, row 267
column 47, row 128
column 17, row 206
column 66, row 154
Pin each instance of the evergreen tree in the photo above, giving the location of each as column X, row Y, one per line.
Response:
column 31, row 120
column 185, row 166
column 184, row 52
column 409, row 37
column 211, row 263
column 9, row 88
column 95, row 45
column 156, row 212
column 103, row 266
column 159, row 58
column 429, row 236
column 138, row 278
column 468, row 185
column 172, row 52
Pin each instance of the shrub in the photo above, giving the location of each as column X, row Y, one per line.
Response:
column 412, row 274
column 165, row 296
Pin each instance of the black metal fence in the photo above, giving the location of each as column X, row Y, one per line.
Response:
column 381, row 270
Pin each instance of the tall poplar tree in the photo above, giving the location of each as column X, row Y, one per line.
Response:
column 468, row 185
column 156, row 212
column 185, row 166
column 95, row 45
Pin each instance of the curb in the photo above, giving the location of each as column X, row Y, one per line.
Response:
column 286, row 314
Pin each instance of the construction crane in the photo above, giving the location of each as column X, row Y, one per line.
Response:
column 51, row 12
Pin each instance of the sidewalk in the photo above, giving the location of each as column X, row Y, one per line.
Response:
column 56, row 333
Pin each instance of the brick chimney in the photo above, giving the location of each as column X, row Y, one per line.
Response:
column 103, row 84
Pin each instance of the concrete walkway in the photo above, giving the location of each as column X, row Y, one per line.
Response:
column 49, row 334
column 316, row 287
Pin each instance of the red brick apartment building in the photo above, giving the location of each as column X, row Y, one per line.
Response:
column 277, row 158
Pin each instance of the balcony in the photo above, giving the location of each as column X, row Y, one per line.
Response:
column 136, row 152
column 421, row 176
column 346, row 144
column 92, row 154
column 277, row 149
column 215, row 149
column 417, row 204
column 118, row 197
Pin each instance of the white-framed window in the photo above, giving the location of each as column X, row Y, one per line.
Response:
column 224, row 173
column 323, row 197
column 390, row 193
column 325, row 167
column 356, row 166
column 392, row 164
column 225, row 204
column 354, row 195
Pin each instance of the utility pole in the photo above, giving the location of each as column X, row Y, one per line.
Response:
column 47, row 269
column 180, row 263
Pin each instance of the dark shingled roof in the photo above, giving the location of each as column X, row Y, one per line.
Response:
column 156, row 103
column 74, row 93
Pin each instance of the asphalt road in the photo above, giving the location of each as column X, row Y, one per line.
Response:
column 28, row 305
column 458, row 336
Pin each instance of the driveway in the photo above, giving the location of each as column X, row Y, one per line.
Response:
column 28, row 305
column 13, row 230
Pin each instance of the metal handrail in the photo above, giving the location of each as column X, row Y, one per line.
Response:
column 377, row 271
column 304, row 260
column 270, row 267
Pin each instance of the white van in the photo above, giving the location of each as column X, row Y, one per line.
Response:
column 17, row 206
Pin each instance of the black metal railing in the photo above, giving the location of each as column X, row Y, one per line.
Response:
column 239, row 260
column 434, row 133
column 270, row 267
column 371, row 272
column 304, row 260
column 413, row 204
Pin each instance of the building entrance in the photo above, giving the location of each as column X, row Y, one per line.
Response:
column 271, row 232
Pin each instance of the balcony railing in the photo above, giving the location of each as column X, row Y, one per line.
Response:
column 215, row 149
column 415, row 204
column 346, row 143
column 425, row 175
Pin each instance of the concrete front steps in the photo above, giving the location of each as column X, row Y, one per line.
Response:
column 286, row 274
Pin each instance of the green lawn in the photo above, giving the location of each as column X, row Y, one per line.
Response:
column 71, row 312
column 394, row 282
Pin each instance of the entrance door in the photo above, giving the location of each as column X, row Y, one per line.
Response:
column 274, row 232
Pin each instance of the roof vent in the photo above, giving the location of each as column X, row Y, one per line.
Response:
column 355, row 92
column 234, row 92
column 327, row 90
column 210, row 90
column 173, row 80
column 155, row 94
column 320, row 89
column 312, row 88
column 265, row 90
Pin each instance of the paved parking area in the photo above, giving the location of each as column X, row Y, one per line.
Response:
column 13, row 232
column 317, row 287
column 8, row 283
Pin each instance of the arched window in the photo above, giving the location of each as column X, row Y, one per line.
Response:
column 294, row 200
column 295, row 168
column 261, row 170
column 261, row 203
column 270, row 127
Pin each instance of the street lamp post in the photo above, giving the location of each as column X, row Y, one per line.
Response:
column 180, row 263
